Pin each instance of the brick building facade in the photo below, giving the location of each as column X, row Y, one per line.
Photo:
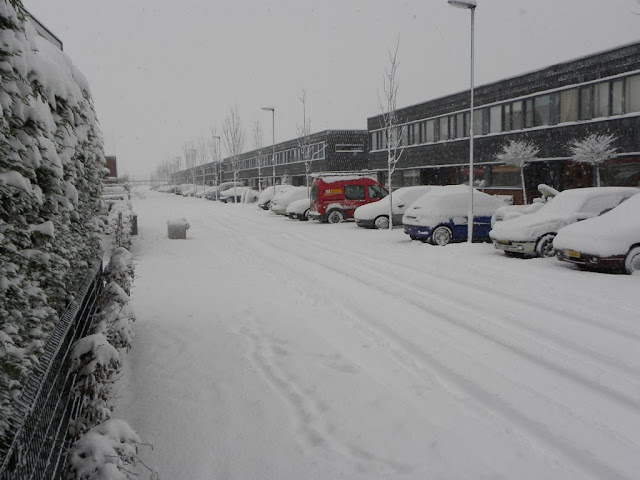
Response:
column 551, row 107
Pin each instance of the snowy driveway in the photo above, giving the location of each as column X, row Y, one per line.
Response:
column 269, row 348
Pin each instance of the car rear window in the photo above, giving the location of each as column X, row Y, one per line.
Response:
column 314, row 193
column 354, row 192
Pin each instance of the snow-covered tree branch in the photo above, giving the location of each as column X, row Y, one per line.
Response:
column 392, row 132
column 594, row 150
column 519, row 154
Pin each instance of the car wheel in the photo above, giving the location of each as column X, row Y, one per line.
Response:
column 382, row 222
column 441, row 236
column 632, row 261
column 413, row 237
column 305, row 216
column 544, row 247
column 335, row 216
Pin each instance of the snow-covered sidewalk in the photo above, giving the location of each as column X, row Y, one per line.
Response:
column 268, row 348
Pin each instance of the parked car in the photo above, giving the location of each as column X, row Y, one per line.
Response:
column 299, row 209
column 512, row 211
column 334, row 198
column 441, row 215
column 264, row 200
column 214, row 192
column 376, row 215
column 280, row 202
column 239, row 194
column 608, row 242
column 533, row 234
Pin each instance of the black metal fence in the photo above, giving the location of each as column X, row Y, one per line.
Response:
column 46, row 405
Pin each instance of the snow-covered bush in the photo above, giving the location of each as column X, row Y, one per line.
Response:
column 96, row 363
column 51, row 168
column 119, row 224
column 103, row 447
column 104, row 453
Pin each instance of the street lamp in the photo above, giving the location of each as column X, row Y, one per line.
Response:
column 471, row 6
column 219, row 151
column 273, row 141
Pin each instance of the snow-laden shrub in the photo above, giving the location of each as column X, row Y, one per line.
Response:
column 51, row 167
column 104, row 447
column 96, row 363
column 119, row 224
column 120, row 269
column 105, row 452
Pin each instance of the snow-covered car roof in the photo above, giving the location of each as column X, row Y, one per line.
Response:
column 562, row 211
column 612, row 233
column 267, row 194
column 452, row 201
column 402, row 200
column 289, row 195
column 235, row 191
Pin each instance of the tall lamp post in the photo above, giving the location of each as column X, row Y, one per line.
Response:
column 471, row 6
column 217, row 137
column 273, row 141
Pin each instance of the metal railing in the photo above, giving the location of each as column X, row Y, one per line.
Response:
column 38, row 427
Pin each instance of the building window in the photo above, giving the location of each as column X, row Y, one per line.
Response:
column 374, row 143
column 569, row 106
column 585, row 103
column 431, row 131
column 617, row 97
column 544, row 111
column 505, row 176
column 495, row 119
column 444, row 128
column 349, row 148
column 601, row 100
column 517, row 117
column 528, row 113
column 460, row 124
column 481, row 121
column 632, row 94
column 423, row 132
column 410, row 178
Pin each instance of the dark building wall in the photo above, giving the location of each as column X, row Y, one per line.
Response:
column 435, row 159
column 112, row 166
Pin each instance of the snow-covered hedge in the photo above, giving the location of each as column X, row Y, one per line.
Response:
column 103, row 448
column 51, row 167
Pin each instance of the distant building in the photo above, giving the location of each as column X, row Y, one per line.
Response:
column 112, row 166
column 550, row 107
column 330, row 151
column 44, row 31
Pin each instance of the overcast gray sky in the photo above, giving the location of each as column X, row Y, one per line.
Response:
column 165, row 71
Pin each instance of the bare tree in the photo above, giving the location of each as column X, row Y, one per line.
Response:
column 392, row 132
column 190, row 159
column 216, row 154
column 233, row 135
column 594, row 150
column 304, row 138
column 519, row 154
column 257, row 146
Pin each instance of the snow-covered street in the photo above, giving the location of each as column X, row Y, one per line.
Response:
column 270, row 348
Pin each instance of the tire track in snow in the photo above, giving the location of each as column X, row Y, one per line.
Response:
column 307, row 413
column 460, row 381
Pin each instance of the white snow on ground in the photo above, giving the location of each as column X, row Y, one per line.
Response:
column 269, row 348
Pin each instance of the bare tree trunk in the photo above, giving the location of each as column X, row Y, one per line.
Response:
column 524, row 189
